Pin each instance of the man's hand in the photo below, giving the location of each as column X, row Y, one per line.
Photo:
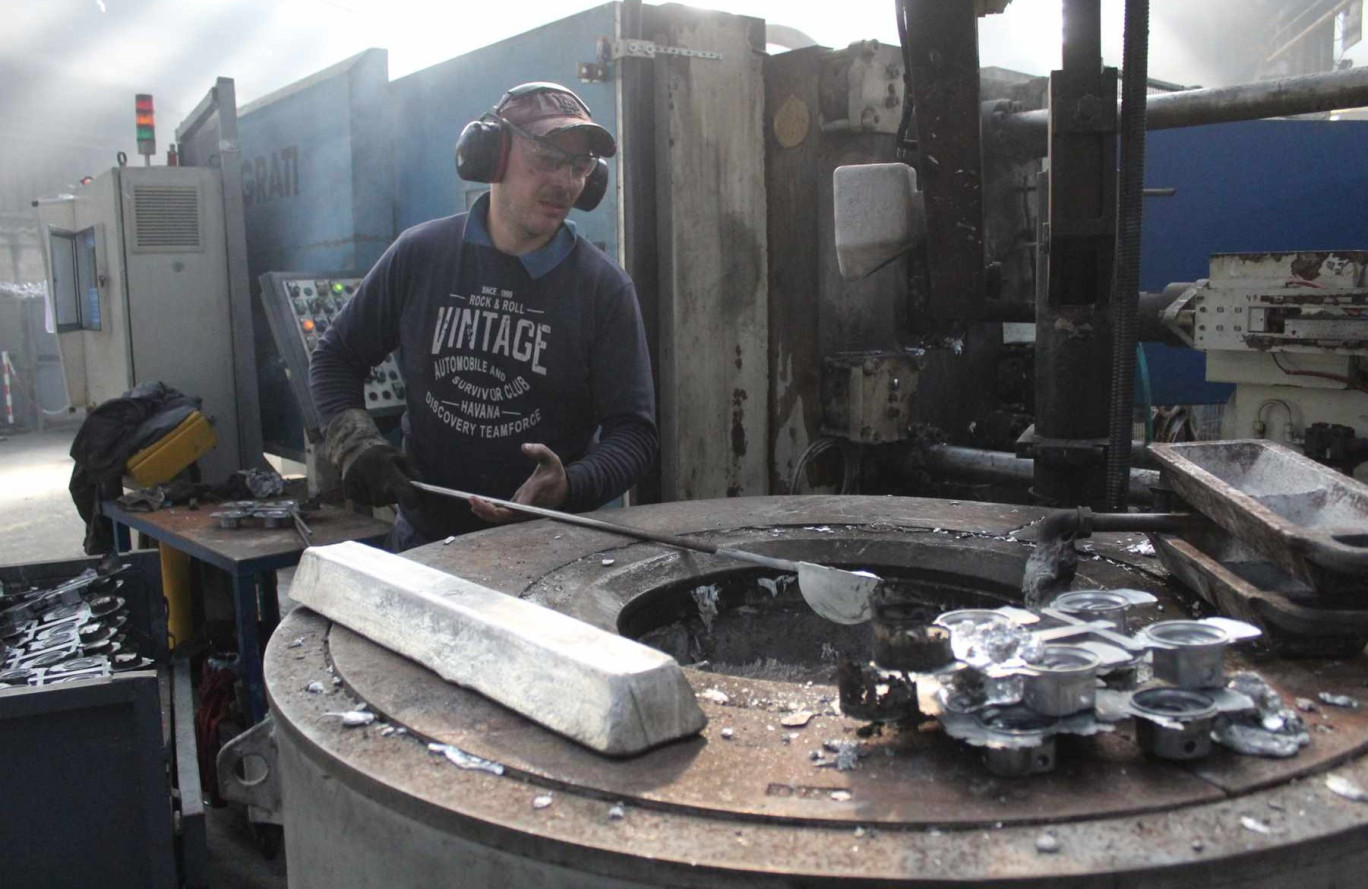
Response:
column 546, row 486
column 379, row 476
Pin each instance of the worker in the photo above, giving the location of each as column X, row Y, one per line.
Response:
column 517, row 340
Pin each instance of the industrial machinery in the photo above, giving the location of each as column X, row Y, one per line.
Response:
column 299, row 309
column 1290, row 330
column 810, row 771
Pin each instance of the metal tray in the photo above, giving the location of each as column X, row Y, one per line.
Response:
column 1242, row 584
column 1307, row 518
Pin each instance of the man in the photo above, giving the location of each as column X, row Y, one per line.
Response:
column 517, row 340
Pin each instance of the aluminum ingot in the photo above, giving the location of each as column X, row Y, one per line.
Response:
column 1062, row 681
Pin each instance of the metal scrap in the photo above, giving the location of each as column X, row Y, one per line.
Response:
column 1344, row 787
column 353, row 718
column 459, row 758
column 1335, row 700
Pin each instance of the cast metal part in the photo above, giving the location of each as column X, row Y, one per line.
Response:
column 230, row 519
column 1063, row 682
column 1111, row 606
column 1173, row 723
column 365, row 805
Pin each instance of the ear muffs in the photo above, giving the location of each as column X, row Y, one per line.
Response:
column 595, row 186
column 482, row 150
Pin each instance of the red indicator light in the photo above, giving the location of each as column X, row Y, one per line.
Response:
column 307, row 324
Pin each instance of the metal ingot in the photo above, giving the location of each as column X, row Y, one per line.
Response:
column 1090, row 605
column 1063, row 681
column 1020, row 757
column 1189, row 653
column 1173, row 723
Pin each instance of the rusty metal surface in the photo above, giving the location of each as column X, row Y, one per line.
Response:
column 197, row 532
column 1308, row 518
column 907, row 778
column 1316, row 837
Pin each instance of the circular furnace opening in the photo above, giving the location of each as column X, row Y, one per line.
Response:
column 754, row 623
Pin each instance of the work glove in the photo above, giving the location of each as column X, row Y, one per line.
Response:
column 379, row 476
column 374, row 472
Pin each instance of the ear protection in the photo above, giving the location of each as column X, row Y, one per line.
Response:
column 483, row 147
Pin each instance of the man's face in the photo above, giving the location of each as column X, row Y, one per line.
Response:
column 543, row 180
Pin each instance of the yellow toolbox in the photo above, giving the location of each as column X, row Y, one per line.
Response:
column 161, row 461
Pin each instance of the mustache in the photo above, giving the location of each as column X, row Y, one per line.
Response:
column 558, row 196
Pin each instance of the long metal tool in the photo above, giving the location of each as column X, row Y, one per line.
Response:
column 837, row 595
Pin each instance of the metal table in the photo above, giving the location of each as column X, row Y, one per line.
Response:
column 250, row 556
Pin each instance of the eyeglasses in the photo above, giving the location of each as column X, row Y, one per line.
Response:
column 547, row 157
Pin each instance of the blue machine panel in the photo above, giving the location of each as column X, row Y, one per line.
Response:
column 432, row 106
column 1268, row 185
column 317, row 181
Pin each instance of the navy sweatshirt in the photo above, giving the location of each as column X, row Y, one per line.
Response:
column 495, row 351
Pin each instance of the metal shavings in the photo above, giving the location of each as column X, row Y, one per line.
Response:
column 728, row 734
column 448, row 541
column 716, row 695
column 820, row 529
column 541, row 802
column 797, row 720
column 1348, row 789
column 617, row 812
column 606, row 562
column 296, row 643
column 336, row 681
column 859, row 832
column 841, row 796
column 769, row 585
column 353, row 718
column 461, row 759
column 1047, row 843
column 1255, row 825
column 314, row 688
column 1338, row 700
column 1198, row 845
column 1306, row 705
column 1143, row 548
column 386, row 731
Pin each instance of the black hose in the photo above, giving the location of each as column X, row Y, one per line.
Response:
column 906, row 147
column 1126, row 280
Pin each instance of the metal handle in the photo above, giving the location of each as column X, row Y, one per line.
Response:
column 613, row 528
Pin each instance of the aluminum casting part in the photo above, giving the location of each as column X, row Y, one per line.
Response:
column 1188, row 653
column 359, row 765
column 1111, row 606
column 1064, row 681
column 272, row 518
column 1173, row 723
column 1020, row 762
column 230, row 519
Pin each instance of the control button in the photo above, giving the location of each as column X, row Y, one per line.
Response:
column 350, row 289
column 386, row 395
column 393, row 375
column 322, row 325
column 308, row 291
column 398, row 391
column 372, row 396
column 337, row 287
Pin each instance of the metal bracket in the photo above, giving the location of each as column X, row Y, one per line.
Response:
column 646, row 49
column 247, row 771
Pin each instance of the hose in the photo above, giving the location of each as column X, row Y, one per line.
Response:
column 1126, row 271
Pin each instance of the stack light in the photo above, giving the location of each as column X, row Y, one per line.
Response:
column 147, row 125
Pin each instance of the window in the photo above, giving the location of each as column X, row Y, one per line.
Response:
column 75, row 280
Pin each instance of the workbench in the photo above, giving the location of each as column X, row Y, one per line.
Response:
column 250, row 555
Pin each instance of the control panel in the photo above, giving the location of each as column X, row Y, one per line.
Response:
column 301, row 308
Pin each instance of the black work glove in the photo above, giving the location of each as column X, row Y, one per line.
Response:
column 379, row 476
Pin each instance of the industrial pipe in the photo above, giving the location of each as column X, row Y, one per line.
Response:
column 1000, row 466
column 1027, row 133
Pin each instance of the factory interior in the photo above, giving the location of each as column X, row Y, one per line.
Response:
column 1007, row 526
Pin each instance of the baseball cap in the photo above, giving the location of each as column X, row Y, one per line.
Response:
column 543, row 109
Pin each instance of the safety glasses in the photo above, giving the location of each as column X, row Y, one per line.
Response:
column 546, row 157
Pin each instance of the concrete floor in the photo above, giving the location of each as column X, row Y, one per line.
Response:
column 39, row 523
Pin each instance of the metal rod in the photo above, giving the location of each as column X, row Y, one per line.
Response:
column 1027, row 132
column 569, row 518
column 1126, row 273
